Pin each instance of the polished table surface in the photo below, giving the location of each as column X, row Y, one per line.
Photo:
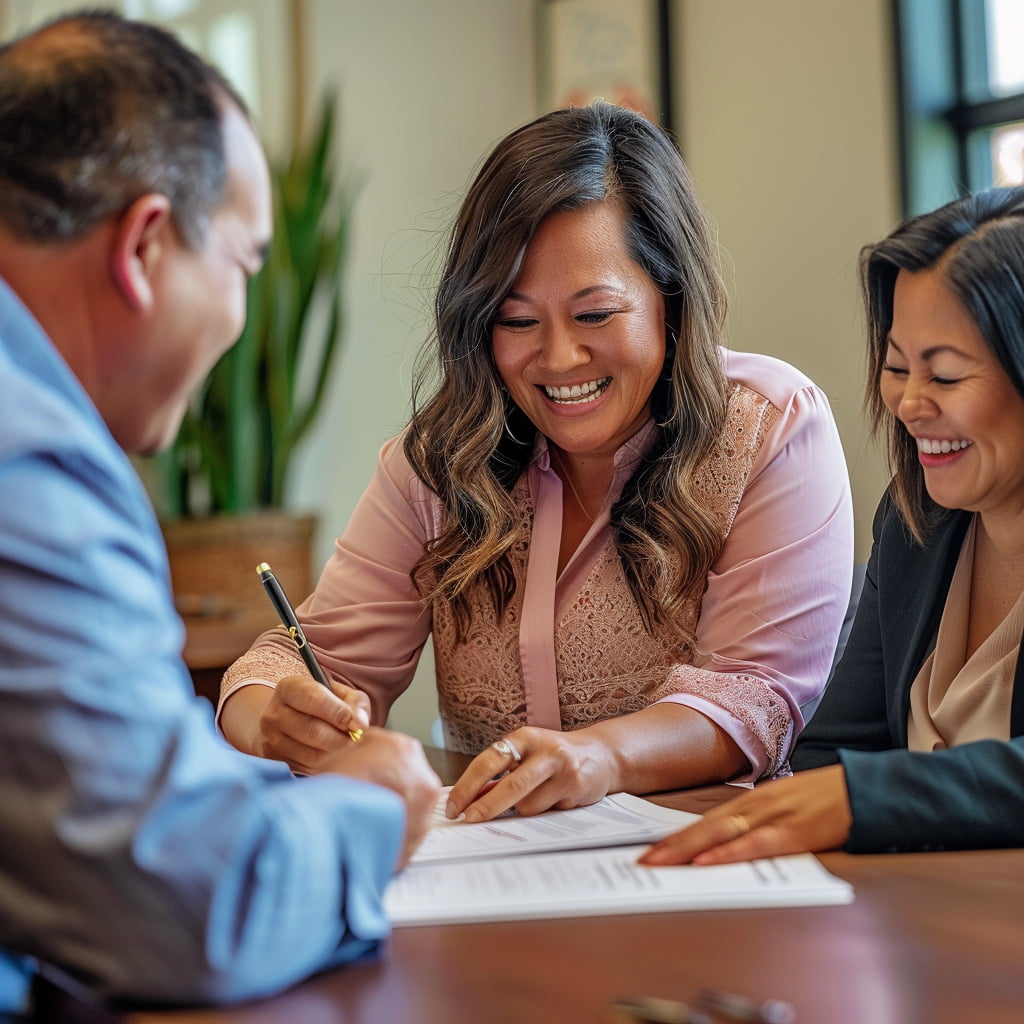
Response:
column 933, row 938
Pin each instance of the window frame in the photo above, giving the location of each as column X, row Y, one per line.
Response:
column 946, row 112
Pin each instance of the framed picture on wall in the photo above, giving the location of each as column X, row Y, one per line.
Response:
column 616, row 50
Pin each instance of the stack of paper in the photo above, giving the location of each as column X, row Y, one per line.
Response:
column 582, row 862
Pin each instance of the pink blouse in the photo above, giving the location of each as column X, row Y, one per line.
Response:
column 570, row 650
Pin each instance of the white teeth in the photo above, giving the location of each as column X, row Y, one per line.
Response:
column 577, row 392
column 931, row 447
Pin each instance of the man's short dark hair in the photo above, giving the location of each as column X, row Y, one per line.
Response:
column 96, row 111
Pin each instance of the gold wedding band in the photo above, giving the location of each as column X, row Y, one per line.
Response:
column 741, row 823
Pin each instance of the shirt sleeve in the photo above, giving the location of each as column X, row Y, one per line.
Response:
column 365, row 621
column 778, row 592
column 966, row 797
column 152, row 861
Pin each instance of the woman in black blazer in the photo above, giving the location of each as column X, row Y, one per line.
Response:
column 918, row 742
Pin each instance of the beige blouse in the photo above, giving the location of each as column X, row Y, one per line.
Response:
column 954, row 700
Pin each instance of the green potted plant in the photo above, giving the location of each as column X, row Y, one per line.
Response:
column 220, row 489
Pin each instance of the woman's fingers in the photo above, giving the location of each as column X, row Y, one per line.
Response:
column 714, row 830
column 477, row 795
column 763, row 841
column 805, row 813
column 304, row 720
column 341, row 707
column 357, row 705
column 553, row 769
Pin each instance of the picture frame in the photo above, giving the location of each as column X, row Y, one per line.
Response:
column 617, row 50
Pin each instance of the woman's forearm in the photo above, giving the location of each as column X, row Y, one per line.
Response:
column 667, row 746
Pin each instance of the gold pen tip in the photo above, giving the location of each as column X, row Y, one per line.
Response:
column 262, row 568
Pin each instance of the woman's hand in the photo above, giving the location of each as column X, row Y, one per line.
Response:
column 557, row 769
column 303, row 723
column 805, row 813
column 664, row 746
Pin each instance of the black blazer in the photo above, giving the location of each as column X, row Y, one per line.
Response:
column 970, row 796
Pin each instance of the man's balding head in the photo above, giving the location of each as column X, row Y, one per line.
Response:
column 95, row 111
column 136, row 205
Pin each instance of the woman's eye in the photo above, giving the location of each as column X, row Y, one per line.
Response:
column 515, row 323
column 597, row 316
column 900, row 371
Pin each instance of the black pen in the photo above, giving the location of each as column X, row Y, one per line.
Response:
column 286, row 613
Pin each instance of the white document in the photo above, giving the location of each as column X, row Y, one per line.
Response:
column 546, row 865
column 613, row 821
column 583, row 883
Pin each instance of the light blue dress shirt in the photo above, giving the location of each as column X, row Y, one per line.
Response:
column 138, row 851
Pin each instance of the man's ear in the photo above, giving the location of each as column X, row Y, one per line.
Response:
column 141, row 236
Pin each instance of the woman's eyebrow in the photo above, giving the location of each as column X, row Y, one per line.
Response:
column 930, row 353
column 582, row 293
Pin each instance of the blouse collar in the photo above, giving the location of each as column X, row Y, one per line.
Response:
column 625, row 460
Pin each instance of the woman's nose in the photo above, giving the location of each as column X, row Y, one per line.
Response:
column 561, row 350
column 915, row 403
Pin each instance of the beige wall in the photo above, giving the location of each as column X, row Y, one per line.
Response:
column 426, row 89
column 787, row 122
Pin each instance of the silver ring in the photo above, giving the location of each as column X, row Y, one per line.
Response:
column 507, row 747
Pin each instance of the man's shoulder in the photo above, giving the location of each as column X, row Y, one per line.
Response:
column 45, row 409
column 59, row 465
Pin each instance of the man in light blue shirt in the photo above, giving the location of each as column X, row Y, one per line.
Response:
column 140, row 854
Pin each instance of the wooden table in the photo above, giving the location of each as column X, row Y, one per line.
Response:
column 935, row 938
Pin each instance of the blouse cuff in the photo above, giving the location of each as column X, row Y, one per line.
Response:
column 234, row 688
column 753, row 715
column 262, row 665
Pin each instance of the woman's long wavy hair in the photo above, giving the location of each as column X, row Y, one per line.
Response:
column 469, row 442
column 977, row 244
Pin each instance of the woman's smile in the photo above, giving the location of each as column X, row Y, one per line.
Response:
column 577, row 394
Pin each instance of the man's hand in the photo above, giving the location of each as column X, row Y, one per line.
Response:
column 396, row 761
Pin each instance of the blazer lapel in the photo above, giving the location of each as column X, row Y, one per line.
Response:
column 918, row 588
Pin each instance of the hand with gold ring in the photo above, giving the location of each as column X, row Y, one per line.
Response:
column 741, row 823
column 298, row 721
column 805, row 813
column 532, row 770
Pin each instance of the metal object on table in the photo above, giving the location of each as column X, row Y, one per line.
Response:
column 710, row 1007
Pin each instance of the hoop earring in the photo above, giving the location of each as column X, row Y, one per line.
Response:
column 661, row 394
column 508, row 429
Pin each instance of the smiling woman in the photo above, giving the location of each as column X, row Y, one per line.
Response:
column 919, row 740
column 632, row 547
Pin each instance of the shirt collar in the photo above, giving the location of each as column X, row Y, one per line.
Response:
column 626, row 459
